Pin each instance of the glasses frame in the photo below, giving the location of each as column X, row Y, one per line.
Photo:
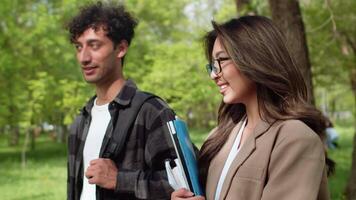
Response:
column 211, row 67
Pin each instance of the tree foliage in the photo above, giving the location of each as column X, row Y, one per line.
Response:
column 41, row 80
column 332, row 58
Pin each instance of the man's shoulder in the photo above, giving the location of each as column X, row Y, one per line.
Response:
column 157, row 103
column 152, row 101
column 154, row 107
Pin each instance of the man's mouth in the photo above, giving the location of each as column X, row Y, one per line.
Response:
column 89, row 70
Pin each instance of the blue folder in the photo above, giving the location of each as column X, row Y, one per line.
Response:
column 186, row 154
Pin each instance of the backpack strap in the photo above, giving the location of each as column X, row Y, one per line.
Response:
column 124, row 122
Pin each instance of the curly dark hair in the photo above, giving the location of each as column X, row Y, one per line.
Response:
column 113, row 18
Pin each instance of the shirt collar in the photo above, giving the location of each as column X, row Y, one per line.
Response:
column 126, row 94
column 123, row 98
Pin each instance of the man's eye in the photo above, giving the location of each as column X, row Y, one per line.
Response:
column 95, row 46
column 78, row 47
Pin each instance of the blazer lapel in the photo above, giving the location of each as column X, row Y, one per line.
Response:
column 217, row 164
column 245, row 151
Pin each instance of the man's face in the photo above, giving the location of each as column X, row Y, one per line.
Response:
column 100, row 61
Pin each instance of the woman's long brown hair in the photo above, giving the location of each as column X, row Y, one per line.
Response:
column 258, row 49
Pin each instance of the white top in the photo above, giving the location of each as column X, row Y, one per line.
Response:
column 233, row 153
column 99, row 122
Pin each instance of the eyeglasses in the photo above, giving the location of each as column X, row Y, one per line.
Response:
column 212, row 67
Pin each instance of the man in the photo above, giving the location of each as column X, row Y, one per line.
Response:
column 118, row 143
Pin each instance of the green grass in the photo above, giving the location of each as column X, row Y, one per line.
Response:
column 198, row 136
column 44, row 176
column 342, row 157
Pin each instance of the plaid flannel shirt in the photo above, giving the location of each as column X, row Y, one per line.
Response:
column 141, row 171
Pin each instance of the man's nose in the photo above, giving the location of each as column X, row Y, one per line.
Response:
column 84, row 57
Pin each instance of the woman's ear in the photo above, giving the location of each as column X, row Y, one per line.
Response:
column 122, row 48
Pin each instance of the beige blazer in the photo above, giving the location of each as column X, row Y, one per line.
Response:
column 282, row 161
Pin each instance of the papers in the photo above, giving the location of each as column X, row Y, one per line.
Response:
column 184, row 173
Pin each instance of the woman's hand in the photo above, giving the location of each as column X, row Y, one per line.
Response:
column 185, row 194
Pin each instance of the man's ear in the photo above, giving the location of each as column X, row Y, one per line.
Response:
column 122, row 48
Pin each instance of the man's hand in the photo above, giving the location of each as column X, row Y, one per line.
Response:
column 102, row 172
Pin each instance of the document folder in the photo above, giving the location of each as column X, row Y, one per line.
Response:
column 185, row 174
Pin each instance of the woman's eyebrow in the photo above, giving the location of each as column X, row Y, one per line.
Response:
column 217, row 54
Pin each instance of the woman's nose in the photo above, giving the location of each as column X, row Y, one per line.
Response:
column 213, row 75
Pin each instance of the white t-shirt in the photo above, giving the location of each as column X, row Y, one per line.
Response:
column 99, row 122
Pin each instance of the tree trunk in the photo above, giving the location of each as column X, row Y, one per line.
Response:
column 24, row 149
column 14, row 135
column 286, row 14
column 351, row 185
column 35, row 131
column 63, row 137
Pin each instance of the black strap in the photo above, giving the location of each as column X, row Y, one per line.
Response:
column 124, row 122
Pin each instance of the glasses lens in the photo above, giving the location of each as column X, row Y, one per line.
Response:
column 209, row 68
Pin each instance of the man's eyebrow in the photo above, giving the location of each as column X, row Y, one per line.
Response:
column 76, row 43
column 92, row 41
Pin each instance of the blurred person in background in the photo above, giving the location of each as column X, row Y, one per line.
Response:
column 332, row 136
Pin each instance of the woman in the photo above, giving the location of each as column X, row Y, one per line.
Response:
column 268, row 142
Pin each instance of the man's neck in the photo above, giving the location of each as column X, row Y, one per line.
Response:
column 107, row 93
